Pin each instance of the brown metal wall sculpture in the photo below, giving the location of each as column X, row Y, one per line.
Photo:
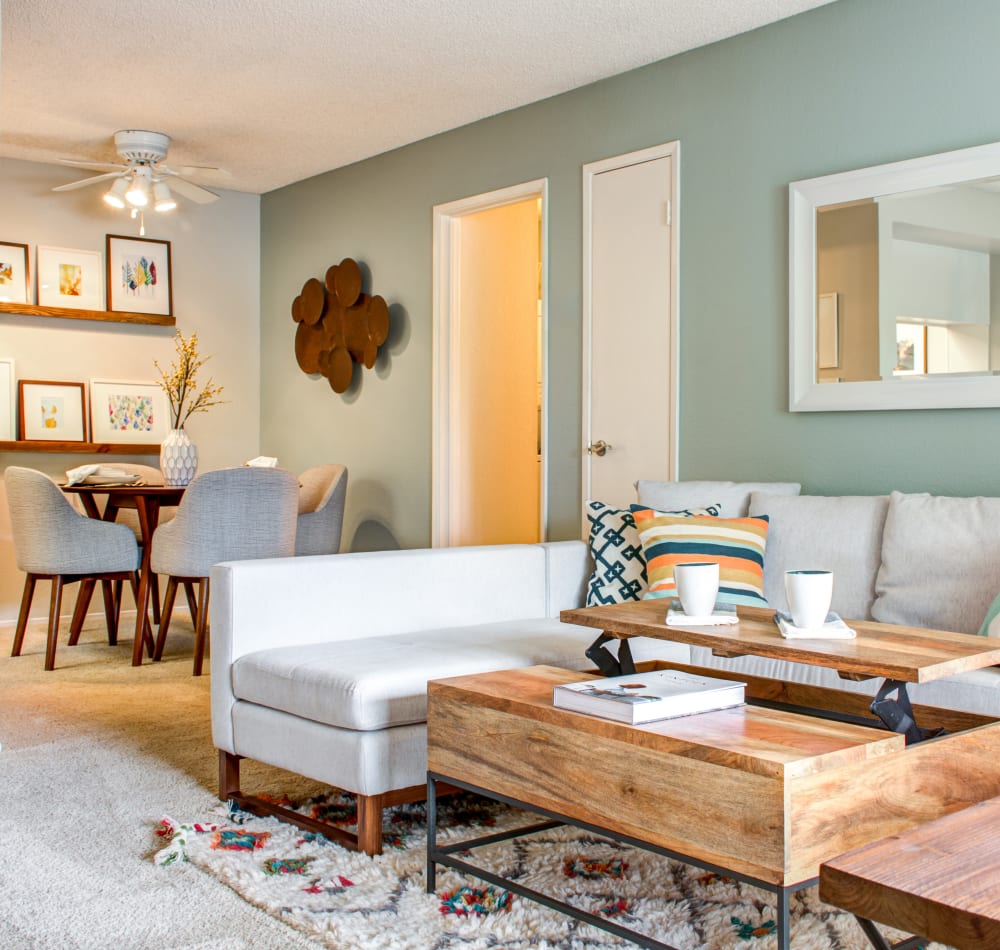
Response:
column 338, row 325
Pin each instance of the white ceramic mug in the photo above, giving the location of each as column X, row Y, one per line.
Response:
column 809, row 594
column 697, row 586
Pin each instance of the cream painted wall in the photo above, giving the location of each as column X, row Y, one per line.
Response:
column 496, row 482
column 215, row 262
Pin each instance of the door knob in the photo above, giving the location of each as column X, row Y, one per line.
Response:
column 600, row 447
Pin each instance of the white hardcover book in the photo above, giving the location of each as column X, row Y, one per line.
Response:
column 645, row 697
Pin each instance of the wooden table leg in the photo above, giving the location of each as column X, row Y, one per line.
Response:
column 148, row 510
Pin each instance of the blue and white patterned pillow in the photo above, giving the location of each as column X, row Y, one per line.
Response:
column 619, row 563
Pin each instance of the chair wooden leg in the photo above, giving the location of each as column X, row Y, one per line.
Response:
column 165, row 615
column 22, row 617
column 370, row 824
column 201, row 627
column 83, row 599
column 147, row 631
column 55, row 602
column 192, row 600
column 154, row 587
column 111, row 606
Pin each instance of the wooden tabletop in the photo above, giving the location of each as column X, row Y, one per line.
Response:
column 909, row 654
column 940, row 880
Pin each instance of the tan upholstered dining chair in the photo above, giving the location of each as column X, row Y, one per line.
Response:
column 322, row 493
column 55, row 542
column 233, row 514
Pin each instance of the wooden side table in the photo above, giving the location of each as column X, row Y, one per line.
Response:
column 940, row 880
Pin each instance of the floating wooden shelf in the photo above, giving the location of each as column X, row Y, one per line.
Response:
column 108, row 316
column 81, row 448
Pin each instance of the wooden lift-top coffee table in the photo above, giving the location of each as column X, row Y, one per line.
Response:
column 765, row 792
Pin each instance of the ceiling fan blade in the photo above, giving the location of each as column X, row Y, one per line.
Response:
column 190, row 190
column 95, row 166
column 73, row 185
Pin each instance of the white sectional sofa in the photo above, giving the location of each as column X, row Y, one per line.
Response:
column 320, row 664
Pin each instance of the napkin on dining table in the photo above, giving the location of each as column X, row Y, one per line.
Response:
column 81, row 473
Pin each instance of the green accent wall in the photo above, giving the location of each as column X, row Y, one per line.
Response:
column 847, row 85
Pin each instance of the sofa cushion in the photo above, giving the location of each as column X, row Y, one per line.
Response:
column 940, row 562
column 379, row 682
column 737, row 544
column 842, row 534
column 619, row 564
column 733, row 497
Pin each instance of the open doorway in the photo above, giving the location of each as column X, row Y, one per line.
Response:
column 489, row 359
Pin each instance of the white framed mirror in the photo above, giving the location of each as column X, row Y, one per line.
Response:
column 894, row 285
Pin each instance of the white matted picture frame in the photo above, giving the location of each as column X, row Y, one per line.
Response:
column 51, row 411
column 70, row 278
column 139, row 278
column 135, row 412
column 13, row 273
column 8, row 417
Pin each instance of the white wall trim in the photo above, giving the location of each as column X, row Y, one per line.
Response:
column 590, row 170
column 445, row 283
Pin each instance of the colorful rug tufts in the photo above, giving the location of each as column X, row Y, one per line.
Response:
column 348, row 900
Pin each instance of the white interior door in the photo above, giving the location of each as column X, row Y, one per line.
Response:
column 630, row 338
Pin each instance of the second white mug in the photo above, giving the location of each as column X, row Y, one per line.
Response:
column 809, row 594
column 697, row 586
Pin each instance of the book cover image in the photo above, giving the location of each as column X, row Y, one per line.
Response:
column 632, row 693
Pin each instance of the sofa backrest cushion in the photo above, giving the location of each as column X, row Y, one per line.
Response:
column 568, row 565
column 733, row 497
column 841, row 533
column 940, row 562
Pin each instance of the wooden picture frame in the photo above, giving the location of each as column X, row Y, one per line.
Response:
column 8, row 402
column 51, row 411
column 14, row 273
column 138, row 275
column 70, row 278
column 134, row 412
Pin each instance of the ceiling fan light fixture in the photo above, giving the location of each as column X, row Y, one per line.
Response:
column 115, row 195
column 163, row 200
column 138, row 192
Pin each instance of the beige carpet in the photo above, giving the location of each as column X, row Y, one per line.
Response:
column 92, row 754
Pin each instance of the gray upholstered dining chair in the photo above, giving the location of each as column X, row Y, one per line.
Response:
column 128, row 516
column 55, row 542
column 322, row 493
column 233, row 514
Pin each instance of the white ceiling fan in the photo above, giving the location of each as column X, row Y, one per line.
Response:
column 142, row 177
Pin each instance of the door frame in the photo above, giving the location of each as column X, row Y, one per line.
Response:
column 670, row 150
column 446, row 331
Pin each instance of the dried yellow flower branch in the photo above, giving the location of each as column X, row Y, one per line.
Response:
column 181, row 382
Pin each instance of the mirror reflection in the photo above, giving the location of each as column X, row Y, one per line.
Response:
column 908, row 284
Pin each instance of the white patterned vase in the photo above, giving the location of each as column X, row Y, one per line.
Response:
column 178, row 458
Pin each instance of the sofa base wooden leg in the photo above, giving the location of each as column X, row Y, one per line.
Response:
column 370, row 823
column 369, row 808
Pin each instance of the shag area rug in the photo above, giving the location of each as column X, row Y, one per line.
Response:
column 349, row 900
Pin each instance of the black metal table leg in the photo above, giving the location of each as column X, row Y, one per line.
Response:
column 431, row 833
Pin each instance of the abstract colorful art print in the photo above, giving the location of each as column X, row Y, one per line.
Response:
column 70, row 279
column 139, row 275
column 128, row 412
column 51, row 411
column 13, row 273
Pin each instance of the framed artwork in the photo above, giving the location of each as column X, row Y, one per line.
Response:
column 70, row 279
column 128, row 412
column 52, row 411
column 13, row 273
column 7, row 430
column 139, row 275
column 911, row 350
column 827, row 332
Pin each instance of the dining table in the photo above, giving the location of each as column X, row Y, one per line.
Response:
column 147, row 500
